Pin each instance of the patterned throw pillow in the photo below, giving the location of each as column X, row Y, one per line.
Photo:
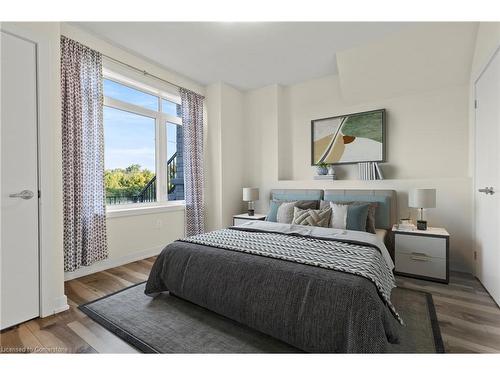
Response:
column 315, row 218
column 275, row 204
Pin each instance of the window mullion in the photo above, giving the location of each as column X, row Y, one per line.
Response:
column 161, row 162
column 124, row 106
column 169, row 118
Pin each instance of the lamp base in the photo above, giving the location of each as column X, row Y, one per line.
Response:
column 251, row 209
column 421, row 225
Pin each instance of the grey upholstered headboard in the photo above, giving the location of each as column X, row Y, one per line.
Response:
column 385, row 216
column 387, row 211
column 296, row 194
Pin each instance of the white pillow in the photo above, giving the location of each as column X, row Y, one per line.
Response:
column 285, row 212
column 339, row 216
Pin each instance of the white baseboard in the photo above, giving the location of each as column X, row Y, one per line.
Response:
column 112, row 262
column 59, row 304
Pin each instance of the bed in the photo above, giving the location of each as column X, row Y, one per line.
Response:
column 318, row 289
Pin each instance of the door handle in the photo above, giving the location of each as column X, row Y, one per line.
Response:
column 25, row 194
column 487, row 190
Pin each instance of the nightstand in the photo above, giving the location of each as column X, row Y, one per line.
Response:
column 243, row 218
column 423, row 254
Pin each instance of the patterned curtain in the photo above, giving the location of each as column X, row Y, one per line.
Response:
column 83, row 155
column 192, row 124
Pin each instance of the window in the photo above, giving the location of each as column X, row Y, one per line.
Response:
column 128, row 94
column 142, row 144
column 171, row 108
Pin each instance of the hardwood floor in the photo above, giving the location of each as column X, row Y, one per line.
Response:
column 468, row 317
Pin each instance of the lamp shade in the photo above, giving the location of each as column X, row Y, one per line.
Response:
column 250, row 194
column 422, row 198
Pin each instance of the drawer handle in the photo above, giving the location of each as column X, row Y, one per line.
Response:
column 420, row 254
column 420, row 257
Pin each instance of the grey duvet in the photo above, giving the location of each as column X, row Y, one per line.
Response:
column 313, row 306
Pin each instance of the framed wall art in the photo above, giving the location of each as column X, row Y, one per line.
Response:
column 347, row 139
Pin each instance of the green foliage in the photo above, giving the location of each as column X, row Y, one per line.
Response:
column 126, row 182
column 366, row 126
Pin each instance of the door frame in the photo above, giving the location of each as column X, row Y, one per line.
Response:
column 476, row 78
column 49, row 154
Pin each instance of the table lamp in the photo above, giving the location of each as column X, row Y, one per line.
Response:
column 422, row 198
column 250, row 195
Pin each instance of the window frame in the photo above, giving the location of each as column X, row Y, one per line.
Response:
column 161, row 119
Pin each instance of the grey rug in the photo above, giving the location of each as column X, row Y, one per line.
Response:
column 168, row 324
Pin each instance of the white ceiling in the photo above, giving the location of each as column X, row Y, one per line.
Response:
column 245, row 55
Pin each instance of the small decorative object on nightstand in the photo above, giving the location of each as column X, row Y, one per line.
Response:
column 422, row 198
column 250, row 195
column 406, row 224
column 422, row 254
column 243, row 218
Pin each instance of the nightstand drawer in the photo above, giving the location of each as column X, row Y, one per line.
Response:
column 434, row 247
column 245, row 218
column 414, row 264
column 238, row 221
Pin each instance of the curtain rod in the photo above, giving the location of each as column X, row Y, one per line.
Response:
column 144, row 72
column 140, row 70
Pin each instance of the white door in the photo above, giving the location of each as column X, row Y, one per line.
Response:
column 19, row 264
column 487, row 185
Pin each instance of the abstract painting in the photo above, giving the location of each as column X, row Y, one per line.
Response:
column 353, row 138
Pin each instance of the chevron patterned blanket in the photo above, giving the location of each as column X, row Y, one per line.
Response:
column 362, row 260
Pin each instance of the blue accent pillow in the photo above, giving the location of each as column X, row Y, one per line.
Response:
column 356, row 217
column 273, row 211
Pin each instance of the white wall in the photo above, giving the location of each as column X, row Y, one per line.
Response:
column 232, row 157
column 225, row 163
column 213, row 159
column 135, row 237
column 426, row 132
column 261, row 134
column 487, row 41
column 421, row 57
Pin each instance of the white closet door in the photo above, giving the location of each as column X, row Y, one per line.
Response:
column 487, row 186
column 19, row 263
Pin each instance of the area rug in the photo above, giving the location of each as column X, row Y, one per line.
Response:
column 168, row 324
